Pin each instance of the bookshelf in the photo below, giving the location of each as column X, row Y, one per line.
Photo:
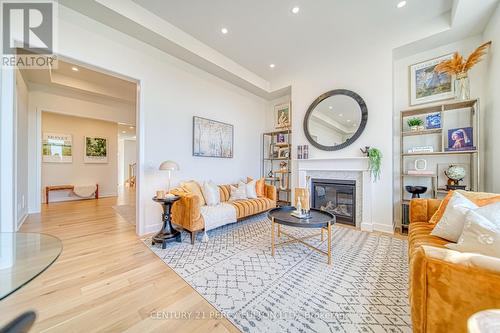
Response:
column 276, row 163
column 453, row 114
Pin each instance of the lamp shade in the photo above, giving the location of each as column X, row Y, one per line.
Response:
column 169, row 165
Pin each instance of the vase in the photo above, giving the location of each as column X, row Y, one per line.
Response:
column 462, row 87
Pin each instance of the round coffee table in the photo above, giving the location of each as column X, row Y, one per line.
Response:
column 318, row 219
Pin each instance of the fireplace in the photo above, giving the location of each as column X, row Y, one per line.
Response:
column 335, row 196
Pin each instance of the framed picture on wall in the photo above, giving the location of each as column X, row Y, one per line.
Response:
column 95, row 150
column 282, row 116
column 57, row 148
column 212, row 138
column 428, row 86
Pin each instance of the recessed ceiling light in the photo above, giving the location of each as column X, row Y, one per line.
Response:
column 348, row 120
column 330, row 107
column 272, row 65
column 74, row 69
column 224, row 31
column 401, row 4
column 296, row 10
column 134, row 137
column 341, row 114
column 131, row 127
column 124, row 132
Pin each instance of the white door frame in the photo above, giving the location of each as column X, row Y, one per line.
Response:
column 7, row 151
column 139, row 141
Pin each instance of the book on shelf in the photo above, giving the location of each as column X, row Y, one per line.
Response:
column 421, row 149
column 421, row 172
column 461, row 149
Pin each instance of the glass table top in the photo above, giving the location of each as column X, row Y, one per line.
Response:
column 23, row 256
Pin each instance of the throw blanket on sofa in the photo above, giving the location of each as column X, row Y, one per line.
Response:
column 217, row 216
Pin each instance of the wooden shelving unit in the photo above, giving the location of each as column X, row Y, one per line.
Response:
column 451, row 156
column 271, row 163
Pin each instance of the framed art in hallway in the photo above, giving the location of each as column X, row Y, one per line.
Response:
column 57, row 148
column 212, row 138
column 96, row 150
column 426, row 85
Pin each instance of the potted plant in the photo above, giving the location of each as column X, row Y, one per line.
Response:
column 416, row 124
column 374, row 161
column 459, row 66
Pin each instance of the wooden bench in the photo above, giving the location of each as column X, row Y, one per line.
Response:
column 63, row 188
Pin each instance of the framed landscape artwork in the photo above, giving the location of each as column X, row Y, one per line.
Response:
column 57, row 148
column 212, row 138
column 428, row 86
column 96, row 150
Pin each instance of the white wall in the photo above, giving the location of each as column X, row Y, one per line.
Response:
column 78, row 172
column 367, row 73
column 21, row 150
column 401, row 102
column 171, row 93
column 492, row 115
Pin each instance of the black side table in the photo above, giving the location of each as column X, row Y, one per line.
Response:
column 167, row 232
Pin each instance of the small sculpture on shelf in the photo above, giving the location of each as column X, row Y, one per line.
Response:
column 455, row 174
column 416, row 190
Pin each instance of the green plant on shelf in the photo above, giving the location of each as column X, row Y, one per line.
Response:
column 374, row 163
column 415, row 122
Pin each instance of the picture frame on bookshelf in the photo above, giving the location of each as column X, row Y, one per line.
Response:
column 460, row 139
column 282, row 117
column 283, row 153
column 426, row 85
column 433, row 121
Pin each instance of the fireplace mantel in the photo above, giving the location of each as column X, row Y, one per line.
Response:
column 306, row 167
column 334, row 164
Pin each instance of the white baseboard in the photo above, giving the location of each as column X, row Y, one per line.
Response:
column 388, row 229
column 21, row 221
column 152, row 228
column 101, row 195
column 366, row 226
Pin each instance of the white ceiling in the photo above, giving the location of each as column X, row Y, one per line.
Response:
column 262, row 32
column 85, row 80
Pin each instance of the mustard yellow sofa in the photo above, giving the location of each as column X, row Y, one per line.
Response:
column 187, row 214
column 443, row 294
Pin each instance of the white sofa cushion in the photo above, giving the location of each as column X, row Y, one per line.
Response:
column 450, row 226
column 251, row 190
column 211, row 193
column 238, row 193
column 481, row 233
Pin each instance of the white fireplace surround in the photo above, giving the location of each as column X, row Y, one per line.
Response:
column 353, row 168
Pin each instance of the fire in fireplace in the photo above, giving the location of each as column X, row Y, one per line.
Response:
column 337, row 197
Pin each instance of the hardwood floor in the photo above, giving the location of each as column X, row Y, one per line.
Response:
column 106, row 279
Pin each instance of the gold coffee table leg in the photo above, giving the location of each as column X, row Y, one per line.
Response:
column 272, row 237
column 329, row 242
column 322, row 237
column 279, row 230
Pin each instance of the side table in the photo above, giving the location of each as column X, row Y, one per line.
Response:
column 167, row 232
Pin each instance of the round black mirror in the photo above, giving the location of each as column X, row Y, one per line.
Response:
column 335, row 119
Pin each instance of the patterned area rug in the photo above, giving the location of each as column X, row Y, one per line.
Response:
column 364, row 290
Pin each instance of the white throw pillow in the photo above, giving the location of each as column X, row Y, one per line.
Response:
column 251, row 191
column 238, row 193
column 451, row 225
column 481, row 232
column 211, row 193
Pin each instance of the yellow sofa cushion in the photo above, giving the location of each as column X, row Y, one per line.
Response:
column 250, row 207
column 193, row 187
